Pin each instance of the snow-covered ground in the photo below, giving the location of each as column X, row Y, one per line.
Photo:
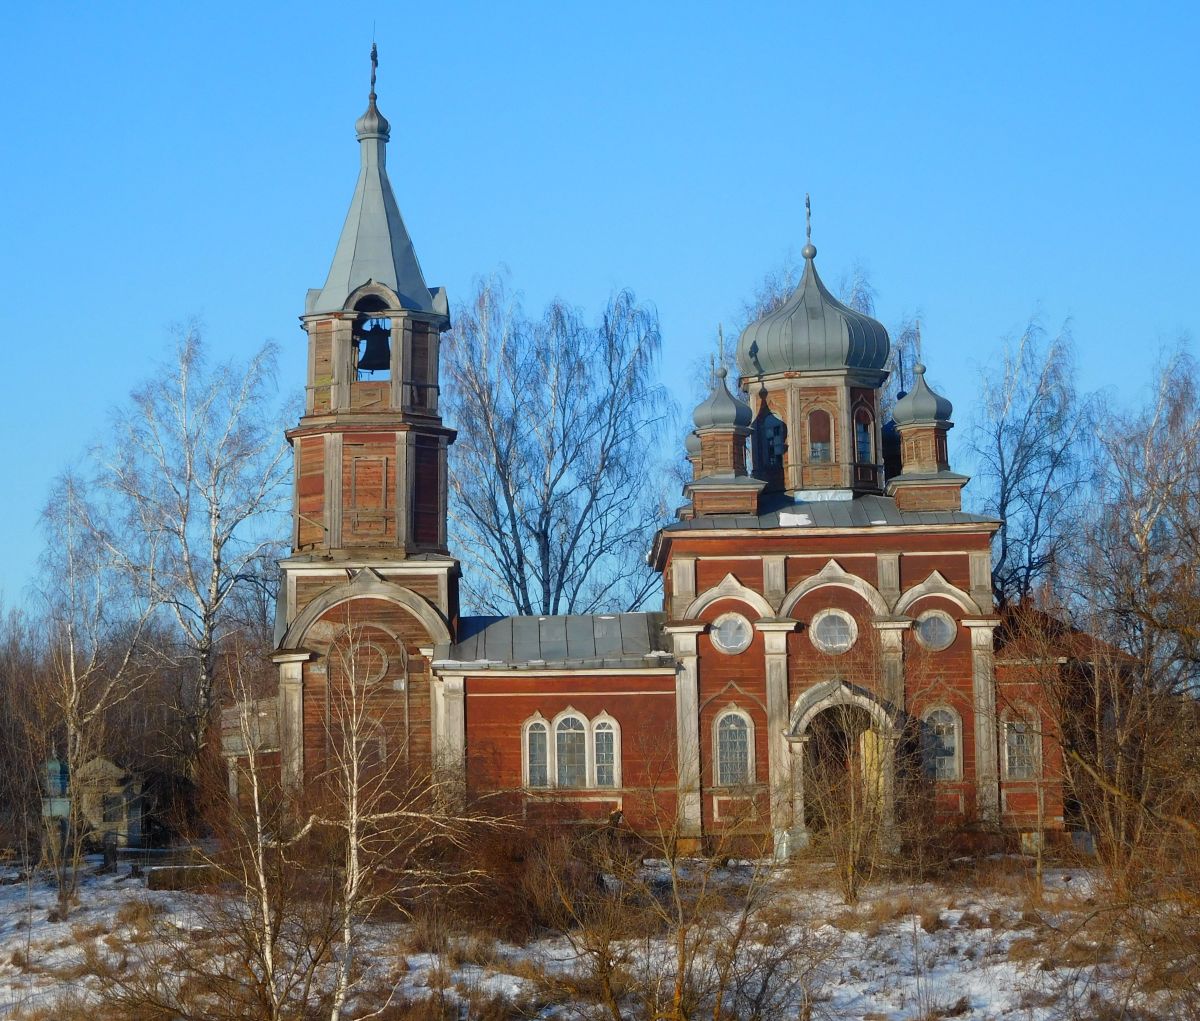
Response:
column 918, row 951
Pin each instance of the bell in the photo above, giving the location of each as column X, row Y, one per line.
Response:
column 376, row 353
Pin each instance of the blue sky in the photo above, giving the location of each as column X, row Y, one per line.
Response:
column 162, row 162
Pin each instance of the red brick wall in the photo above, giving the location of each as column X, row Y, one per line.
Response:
column 642, row 704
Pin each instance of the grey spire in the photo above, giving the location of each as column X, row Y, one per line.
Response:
column 374, row 245
column 921, row 405
column 721, row 410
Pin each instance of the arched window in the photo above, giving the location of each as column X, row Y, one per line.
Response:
column 537, row 755
column 604, row 740
column 1022, row 748
column 820, row 437
column 570, row 752
column 734, row 749
column 940, row 745
column 864, row 437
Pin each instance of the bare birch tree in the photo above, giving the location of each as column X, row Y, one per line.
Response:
column 195, row 477
column 1030, row 444
column 553, row 488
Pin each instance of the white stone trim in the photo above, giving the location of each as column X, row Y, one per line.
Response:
column 729, row 588
column 833, row 574
column 936, row 585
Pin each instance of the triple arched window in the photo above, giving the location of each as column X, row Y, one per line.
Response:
column 571, row 751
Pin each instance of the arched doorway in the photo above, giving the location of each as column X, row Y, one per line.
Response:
column 844, row 769
column 843, row 745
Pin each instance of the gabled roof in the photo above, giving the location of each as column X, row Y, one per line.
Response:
column 374, row 245
column 602, row 640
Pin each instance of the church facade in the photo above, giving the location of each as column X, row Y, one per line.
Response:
column 821, row 578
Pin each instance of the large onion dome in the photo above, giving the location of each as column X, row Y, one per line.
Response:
column 921, row 405
column 812, row 332
column 721, row 410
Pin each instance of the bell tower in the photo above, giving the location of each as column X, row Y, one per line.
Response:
column 370, row 570
column 371, row 448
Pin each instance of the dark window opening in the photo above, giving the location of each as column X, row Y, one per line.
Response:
column 864, row 438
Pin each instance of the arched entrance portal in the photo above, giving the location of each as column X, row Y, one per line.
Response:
column 843, row 745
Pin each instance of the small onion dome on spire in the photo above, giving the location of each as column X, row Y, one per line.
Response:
column 812, row 331
column 373, row 124
column 921, row 406
column 691, row 444
column 721, row 410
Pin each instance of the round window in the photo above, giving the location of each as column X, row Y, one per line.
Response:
column 731, row 633
column 833, row 631
column 936, row 630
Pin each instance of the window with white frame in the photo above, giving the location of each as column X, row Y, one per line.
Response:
column 1021, row 748
column 941, row 744
column 733, row 749
column 833, row 631
column 936, row 630
column 537, row 755
column 572, row 751
column 731, row 633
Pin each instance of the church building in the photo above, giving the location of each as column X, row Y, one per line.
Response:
column 821, row 579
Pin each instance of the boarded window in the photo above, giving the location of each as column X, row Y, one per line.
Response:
column 820, row 437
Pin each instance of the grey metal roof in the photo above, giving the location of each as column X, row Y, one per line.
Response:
column 812, row 331
column 861, row 512
column 374, row 244
column 621, row 640
column 921, row 406
column 720, row 409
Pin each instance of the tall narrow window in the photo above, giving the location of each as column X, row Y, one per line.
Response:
column 1020, row 750
column 606, row 755
column 538, row 758
column 941, row 745
column 864, row 437
column 820, row 437
column 571, row 752
column 733, row 749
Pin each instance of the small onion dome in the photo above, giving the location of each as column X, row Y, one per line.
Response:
column 372, row 124
column 921, row 406
column 692, row 445
column 721, row 410
column 812, row 331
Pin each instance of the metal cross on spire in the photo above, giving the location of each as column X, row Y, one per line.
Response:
column 807, row 218
column 374, row 67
